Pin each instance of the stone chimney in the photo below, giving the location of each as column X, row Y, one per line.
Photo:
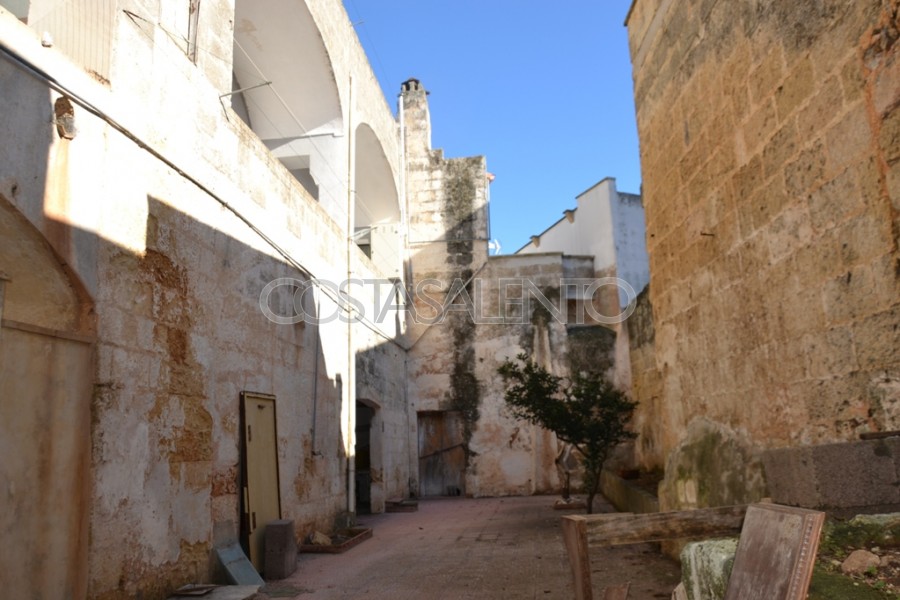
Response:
column 417, row 119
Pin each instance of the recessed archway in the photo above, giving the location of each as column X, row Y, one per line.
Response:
column 46, row 373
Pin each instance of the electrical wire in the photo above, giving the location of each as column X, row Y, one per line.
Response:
column 341, row 303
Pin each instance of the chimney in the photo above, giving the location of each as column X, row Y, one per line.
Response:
column 417, row 120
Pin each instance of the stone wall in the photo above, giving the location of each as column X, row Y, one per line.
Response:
column 448, row 234
column 771, row 180
column 172, row 216
column 646, row 385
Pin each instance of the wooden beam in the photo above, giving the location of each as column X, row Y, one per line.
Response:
column 656, row 527
column 575, row 537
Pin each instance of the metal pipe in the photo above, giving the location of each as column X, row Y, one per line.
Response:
column 315, row 419
column 351, row 360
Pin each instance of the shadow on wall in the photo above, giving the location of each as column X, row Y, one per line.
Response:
column 46, row 361
column 148, row 411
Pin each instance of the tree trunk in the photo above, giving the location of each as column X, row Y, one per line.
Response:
column 592, row 490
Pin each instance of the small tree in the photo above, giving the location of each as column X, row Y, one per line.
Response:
column 585, row 411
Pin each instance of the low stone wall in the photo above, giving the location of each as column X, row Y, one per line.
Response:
column 847, row 475
column 625, row 496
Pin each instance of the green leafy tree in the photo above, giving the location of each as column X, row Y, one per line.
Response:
column 585, row 411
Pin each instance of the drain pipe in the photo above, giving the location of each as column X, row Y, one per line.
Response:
column 315, row 420
column 351, row 359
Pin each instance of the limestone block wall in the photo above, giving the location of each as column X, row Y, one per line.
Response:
column 771, row 185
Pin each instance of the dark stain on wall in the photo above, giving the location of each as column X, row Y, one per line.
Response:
column 591, row 349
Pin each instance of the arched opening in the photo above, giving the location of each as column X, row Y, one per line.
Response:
column 46, row 374
column 377, row 206
column 285, row 90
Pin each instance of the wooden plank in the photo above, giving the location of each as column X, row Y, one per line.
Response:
column 616, row 592
column 775, row 554
column 655, row 527
column 575, row 537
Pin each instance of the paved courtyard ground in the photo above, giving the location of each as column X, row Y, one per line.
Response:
column 454, row 549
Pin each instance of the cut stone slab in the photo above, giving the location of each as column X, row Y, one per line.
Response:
column 238, row 568
column 226, row 592
column 281, row 549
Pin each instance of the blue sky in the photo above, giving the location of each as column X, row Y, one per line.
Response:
column 544, row 90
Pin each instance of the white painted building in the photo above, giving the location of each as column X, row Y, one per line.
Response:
column 609, row 226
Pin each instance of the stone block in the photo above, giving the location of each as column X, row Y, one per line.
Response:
column 281, row 549
column 780, row 148
column 821, row 109
column 834, row 201
column 803, row 173
column 887, row 85
column 889, row 136
column 848, row 139
column 791, row 477
column 796, row 88
column 829, row 353
column 856, row 474
column 864, row 236
column 759, row 126
column 765, row 79
column 706, row 567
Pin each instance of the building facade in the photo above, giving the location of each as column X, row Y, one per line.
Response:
column 182, row 210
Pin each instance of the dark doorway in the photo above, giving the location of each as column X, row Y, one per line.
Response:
column 364, row 415
column 442, row 454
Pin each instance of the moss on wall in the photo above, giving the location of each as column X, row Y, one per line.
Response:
column 459, row 214
column 464, row 394
column 714, row 466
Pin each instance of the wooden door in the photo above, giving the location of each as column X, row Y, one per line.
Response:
column 442, row 454
column 262, row 500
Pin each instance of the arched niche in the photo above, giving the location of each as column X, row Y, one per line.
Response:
column 46, row 374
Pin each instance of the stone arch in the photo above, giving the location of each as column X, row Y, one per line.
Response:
column 46, row 374
column 377, row 204
column 41, row 290
column 298, row 115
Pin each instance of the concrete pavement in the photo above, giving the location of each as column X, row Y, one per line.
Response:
column 455, row 549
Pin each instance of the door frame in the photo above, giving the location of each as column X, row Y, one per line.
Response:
column 244, row 533
column 446, row 419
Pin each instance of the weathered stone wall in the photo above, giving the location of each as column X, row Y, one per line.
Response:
column 771, row 182
column 174, row 219
column 492, row 316
column 448, row 236
column 511, row 456
column 646, row 385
